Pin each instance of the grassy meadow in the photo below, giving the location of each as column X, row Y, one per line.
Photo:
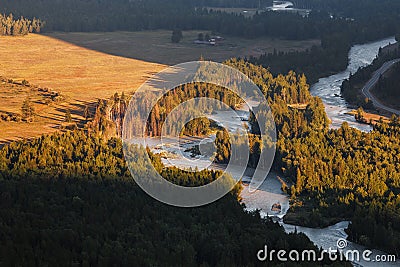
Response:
column 79, row 74
column 156, row 46
column 85, row 67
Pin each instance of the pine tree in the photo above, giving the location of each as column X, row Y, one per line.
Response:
column 176, row 36
column 86, row 113
column 28, row 111
column 123, row 97
column 68, row 117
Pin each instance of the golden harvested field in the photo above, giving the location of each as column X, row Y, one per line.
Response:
column 80, row 75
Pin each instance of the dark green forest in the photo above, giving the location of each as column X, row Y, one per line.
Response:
column 93, row 15
column 336, row 174
column 68, row 199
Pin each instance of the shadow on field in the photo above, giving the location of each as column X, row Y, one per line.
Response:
column 156, row 46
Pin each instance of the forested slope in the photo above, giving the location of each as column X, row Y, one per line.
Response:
column 67, row 199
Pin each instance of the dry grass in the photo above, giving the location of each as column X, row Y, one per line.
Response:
column 81, row 75
column 50, row 115
column 299, row 106
column 371, row 117
column 156, row 46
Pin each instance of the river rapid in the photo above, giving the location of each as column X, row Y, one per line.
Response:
column 175, row 153
column 328, row 89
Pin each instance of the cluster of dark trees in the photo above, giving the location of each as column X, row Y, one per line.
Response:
column 28, row 110
column 108, row 116
column 69, row 199
column 199, row 127
column 316, row 62
column 351, row 88
column 334, row 172
column 20, row 26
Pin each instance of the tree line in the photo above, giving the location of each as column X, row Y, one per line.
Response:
column 20, row 26
column 92, row 15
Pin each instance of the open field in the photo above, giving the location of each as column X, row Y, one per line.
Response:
column 156, row 46
column 80, row 75
column 84, row 67
column 299, row 106
column 371, row 117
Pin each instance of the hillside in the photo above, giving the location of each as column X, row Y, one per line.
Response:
column 80, row 75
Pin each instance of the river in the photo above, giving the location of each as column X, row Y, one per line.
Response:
column 328, row 89
column 287, row 6
column 336, row 108
column 270, row 192
column 176, row 154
